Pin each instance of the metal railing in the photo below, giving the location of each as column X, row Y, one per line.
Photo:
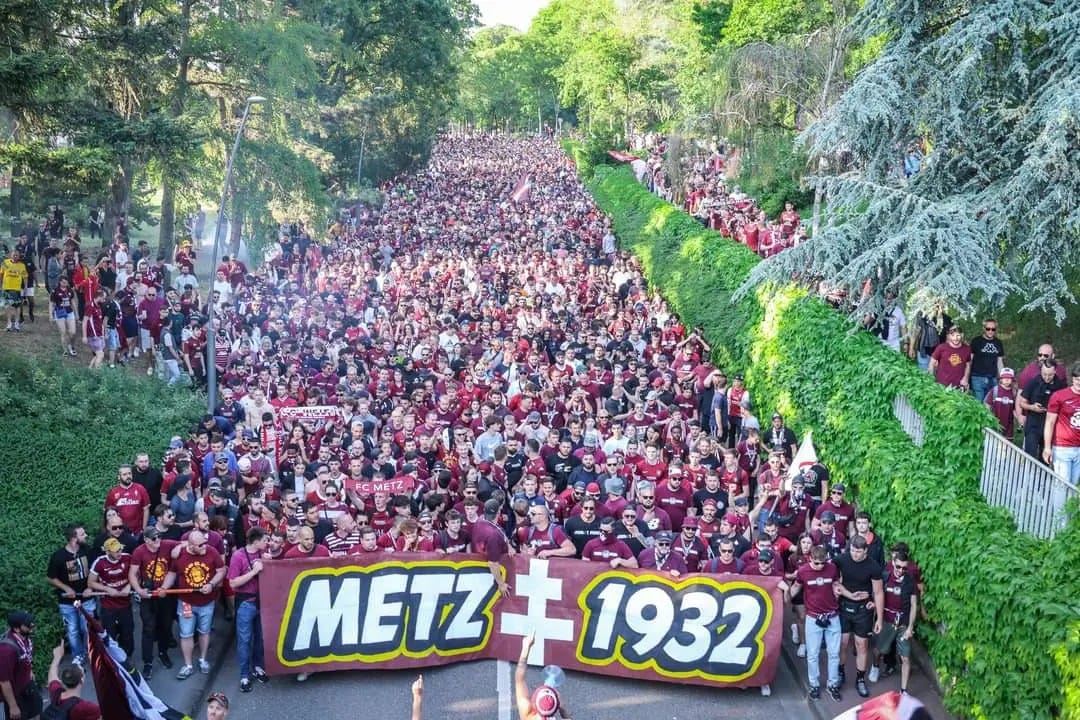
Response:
column 910, row 420
column 1030, row 490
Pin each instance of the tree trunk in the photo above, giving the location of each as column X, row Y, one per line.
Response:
column 167, row 229
column 119, row 201
column 15, row 199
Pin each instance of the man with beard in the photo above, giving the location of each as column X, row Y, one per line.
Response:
column 661, row 558
column 69, row 574
column 608, row 548
column 583, row 527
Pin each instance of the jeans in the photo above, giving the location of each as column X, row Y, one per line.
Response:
column 249, row 639
column 75, row 626
column 157, row 618
column 1067, row 465
column 980, row 385
column 813, row 635
column 923, row 361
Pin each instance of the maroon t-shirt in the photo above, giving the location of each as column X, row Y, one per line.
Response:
column 129, row 502
column 676, row 502
column 113, row 574
column 951, row 363
column 488, row 540
column 817, row 588
column 194, row 571
column 549, row 539
column 151, row 565
column 80, row 710
column 606, row 549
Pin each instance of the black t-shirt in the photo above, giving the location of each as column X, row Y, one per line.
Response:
column 581, row 532
column 858, row 576
column 71, row 569
column 151, row 480
column 719, row 496
column 984, row 356
column 621, row 533
column 813, row 480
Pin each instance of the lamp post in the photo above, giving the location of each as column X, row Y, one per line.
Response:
column 211, row 339
column 363, row 140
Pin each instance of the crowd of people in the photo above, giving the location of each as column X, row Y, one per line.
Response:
column 705, row 192
column 508, row 364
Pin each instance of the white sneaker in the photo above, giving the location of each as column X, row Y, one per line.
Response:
column 801, row 652
column 302, row 677
column 794, row 634
column 149, row 371
column 874, row 674
column 766, row 690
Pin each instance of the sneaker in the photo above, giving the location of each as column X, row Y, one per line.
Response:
column 78, row 660
column 261, row 675
column 166, row 661
column 18, row 327
column 246, row 686
column 766, row 690
column 148, row 670
column 302, row 677
column 888, row 670
column 185, row 672
column 204, row 667
column 794, row 634
column 834, row 692
column 815, row 692
column 149, row 371
column 843, row 677
column 860, row 687
column 874, row 674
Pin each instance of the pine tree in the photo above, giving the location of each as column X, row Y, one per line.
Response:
column 992, row 92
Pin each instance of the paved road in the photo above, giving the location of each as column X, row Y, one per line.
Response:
column 471, row 690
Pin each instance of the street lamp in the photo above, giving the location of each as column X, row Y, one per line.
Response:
column 211, row 342
column 363, row 139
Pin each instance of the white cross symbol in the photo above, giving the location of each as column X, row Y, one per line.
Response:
column 539, row 589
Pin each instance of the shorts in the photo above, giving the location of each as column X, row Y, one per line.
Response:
column 201, row 620
column 798, row 599
column 97, row 344
column 130, row 326
column 61, row 314
column 893, row 634
column 145, row 341
column 13, row 298
column 856, row 618
column 112, row 339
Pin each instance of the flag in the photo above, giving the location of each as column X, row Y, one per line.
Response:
column 123, row 694
column 804, row 458
column 622, row 156
column 523, row 190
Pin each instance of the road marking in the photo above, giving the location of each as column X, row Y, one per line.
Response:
column 502, row 682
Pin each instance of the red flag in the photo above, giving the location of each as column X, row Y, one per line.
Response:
column 523, row 190
column 121, row 692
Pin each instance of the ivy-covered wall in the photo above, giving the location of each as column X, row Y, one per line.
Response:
column 1006, row 607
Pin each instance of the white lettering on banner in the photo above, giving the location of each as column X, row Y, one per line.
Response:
column 695, row 627
column 386, row 610
column 308, row 412
column 538, row 588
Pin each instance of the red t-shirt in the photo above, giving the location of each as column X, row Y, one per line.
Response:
column 601, row 550
column 194, row 571
column 81, row 710
column 549, row 539
column 297, row 552
column 951, row 363
column 488, row 540
column 129, row 501
column 1066, row 404
column 113, row 575
column 818, row 588
column 675, row 502
column 151, row 565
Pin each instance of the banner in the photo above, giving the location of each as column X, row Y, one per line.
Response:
column 413, row 611
column 308, row 412
column 392, row 486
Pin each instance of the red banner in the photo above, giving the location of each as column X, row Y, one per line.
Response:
column 392, row 486
column 413, row 611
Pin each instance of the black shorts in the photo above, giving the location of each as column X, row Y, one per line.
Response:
column 857, row 618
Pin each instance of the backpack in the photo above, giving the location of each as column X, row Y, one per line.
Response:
column 61, row 711
column 551, row 534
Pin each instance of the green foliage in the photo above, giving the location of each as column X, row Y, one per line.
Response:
column 1011, row 644
column 65, row 432
column 773, row 173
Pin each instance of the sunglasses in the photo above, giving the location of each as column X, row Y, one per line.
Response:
column 727, row 552
column 116, row 527
column 663, row 543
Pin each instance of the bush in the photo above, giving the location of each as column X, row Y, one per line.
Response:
column 65, row 431
column 1007, row 602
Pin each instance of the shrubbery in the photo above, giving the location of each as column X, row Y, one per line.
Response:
column 1007, row 602
column 64, row 432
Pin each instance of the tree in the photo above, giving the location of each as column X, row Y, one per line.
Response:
column 987, row 92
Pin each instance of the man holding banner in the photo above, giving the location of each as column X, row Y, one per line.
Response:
column 243, row 574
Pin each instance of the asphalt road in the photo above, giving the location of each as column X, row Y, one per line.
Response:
column 471, row 690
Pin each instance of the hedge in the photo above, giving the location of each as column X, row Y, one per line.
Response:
column 64, row 433
column 1006, row 633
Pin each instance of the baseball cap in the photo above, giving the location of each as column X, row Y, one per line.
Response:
column 218, row 697
column 690, row 521
column 1007, row 373
column 707, row 502
column 765, row 556
column 151, row 533
column 838, row 487
column 615, row 485
column 545, row 701
column 534, row 416
column 731, row 518
column 112, row 545
column 777, row 415
column 592, row 487
column 580, row 485
column 828, row 516
column 798, row 480
column 18, row 618
column 741, row 501
column 176, row 443
column 665, row 536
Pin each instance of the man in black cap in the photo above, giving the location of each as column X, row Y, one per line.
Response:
column 660, row 556
column 217, row 706
column 20, row 695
